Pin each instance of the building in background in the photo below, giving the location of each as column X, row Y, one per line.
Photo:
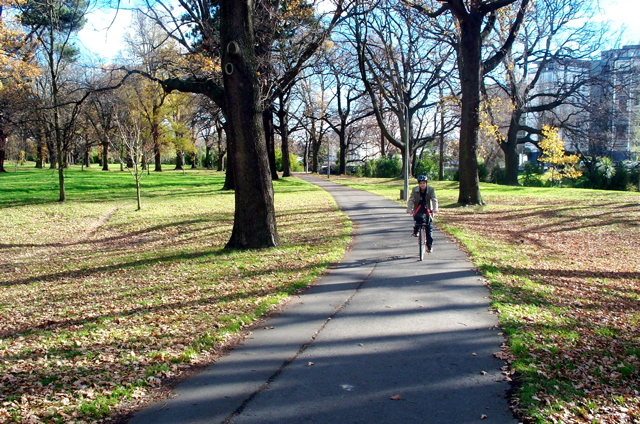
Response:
column 600, row 117
column 615, row 101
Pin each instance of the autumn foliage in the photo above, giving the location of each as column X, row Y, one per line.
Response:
column 561, row 165
column 100, row 304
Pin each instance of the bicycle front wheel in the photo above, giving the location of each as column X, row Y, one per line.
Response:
column 422, row 240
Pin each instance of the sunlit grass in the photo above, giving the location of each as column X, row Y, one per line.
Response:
column 101, row 303
column 564, row 269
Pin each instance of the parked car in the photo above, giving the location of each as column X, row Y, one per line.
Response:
column 324, row 169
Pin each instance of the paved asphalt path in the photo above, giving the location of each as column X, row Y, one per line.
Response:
column 382, row 338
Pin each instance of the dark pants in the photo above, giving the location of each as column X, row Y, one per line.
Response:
column 428, row 221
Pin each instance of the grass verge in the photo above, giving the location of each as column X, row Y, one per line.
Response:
column 100, row 305
column 564, row 269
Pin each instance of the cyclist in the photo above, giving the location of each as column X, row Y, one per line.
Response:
column 422, row 199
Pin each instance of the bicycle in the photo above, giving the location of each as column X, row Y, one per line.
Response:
column 422, row 234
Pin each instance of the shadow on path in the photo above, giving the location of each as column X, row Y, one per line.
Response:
column 382, row 338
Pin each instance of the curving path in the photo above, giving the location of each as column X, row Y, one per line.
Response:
column 382, row 338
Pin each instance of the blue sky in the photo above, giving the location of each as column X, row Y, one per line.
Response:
column 107, row 42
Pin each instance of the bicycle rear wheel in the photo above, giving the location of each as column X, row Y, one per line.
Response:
column 422, row 240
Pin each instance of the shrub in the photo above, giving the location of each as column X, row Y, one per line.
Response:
column 621, row 178
column 451, row 175
column 483, row 172
column 359, row 171
column 606, row 170
column 532, row 175
column 294, row 165
column 610, row 175
column 369, row 169
column 497, row 175
column 634, row 176
column 427, row 166
column 388, row 167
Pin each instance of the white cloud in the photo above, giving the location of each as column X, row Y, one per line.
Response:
column 623, row 14
column 103, row 33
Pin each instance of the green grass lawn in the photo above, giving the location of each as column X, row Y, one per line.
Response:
column 100, row 304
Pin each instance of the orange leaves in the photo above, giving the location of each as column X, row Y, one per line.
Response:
column 569, row 274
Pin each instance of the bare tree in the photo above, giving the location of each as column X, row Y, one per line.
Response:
column 100, row 114
column 546, row 47
column 475, row 22
column 401, row 65
column 350, row 103
column 135, row 151
column 208, row 123
column 314, row 94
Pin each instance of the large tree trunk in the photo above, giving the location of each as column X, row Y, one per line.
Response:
column 470, row 69
column 305, row 159
column 180, row 161
column 105, row 156
column 269, row 132
column 3, row 150
column 510, row 149
column 53, row 156
column 286, row 163
column 61, row 156
column 157, row 157
column 254, row 223
column 342, row 141
column 208, row 161
column 39, row 155
column 343, row 159
column 284, row 137
column 315, row 159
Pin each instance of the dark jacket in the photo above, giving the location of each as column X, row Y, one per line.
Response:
column 431, row 200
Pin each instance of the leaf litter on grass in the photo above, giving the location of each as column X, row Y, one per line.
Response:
column 564, row 270
column 93, row 322
column 577, row 356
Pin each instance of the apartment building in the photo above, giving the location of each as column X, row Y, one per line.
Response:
column 601, row 117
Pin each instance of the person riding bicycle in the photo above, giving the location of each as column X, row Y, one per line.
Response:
column 422, row 200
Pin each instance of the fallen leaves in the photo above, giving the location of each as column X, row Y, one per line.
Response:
column 566, row 281
column 92, row 317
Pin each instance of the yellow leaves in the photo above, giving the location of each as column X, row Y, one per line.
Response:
column 553, row 153
column 16, row 56
column 203, row 63
column 493, row 111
